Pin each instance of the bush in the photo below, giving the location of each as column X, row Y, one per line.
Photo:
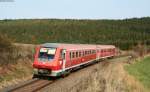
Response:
column 7, row 51
column 5, row 43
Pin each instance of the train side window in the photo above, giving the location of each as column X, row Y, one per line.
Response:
column 77, row 54
column 70, row 55
column 85, row 52
column 80, row 54
column 93, row 51
column 73, row 54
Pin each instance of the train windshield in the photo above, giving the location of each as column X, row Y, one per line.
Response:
column 47, row 53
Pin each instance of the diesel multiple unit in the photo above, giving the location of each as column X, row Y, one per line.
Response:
column 55, row 59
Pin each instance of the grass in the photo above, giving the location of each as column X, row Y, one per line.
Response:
column 141, row 71
column 17, row 73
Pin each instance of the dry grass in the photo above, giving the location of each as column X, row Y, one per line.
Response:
column 16, row 73
column 110, row 78
column 15, row 62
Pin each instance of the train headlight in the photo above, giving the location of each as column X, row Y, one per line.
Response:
column 35, row 71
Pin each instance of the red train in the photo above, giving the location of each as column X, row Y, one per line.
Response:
column 55, row 59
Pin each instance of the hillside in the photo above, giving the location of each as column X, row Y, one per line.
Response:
column 123, row 33
column 15, row 62
column 8, row 52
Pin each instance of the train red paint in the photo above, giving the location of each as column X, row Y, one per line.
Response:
column 55, row 59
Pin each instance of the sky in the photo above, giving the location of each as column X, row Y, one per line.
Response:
column 74, row 9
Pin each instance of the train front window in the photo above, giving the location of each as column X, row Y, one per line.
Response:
column 47, row 53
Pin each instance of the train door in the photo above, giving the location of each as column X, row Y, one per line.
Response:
column 63, row 55
column 97, row 53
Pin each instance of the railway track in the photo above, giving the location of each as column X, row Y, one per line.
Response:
column 32, row 86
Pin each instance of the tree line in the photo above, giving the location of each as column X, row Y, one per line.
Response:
column 125, row 33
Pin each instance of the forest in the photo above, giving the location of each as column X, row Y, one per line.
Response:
column 123, row 33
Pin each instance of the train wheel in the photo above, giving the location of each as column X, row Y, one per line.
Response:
column 35, row 76
column 66, row 73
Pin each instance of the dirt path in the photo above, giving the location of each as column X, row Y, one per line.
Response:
column 106, row 76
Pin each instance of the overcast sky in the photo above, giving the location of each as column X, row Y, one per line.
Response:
column 74, row 9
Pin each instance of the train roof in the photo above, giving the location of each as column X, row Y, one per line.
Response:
column 76, row 46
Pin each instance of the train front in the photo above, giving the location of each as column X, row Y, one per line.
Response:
column 46, row 61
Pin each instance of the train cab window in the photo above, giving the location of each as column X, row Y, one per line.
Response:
column 47, row 53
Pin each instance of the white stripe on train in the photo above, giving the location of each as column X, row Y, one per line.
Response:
column 54, row 73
